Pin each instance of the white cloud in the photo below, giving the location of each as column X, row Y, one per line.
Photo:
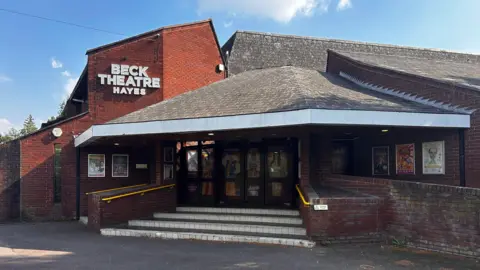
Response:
column 227, row 24
column 66, row 73
column 5, row 125
column 68, row 87
column 4, row 78
column 344, row 4
column 279, row 10
column 56, row 63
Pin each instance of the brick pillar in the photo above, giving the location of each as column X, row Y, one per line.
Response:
column 304, row 159
column 158, row 164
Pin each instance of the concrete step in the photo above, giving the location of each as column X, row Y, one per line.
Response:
column 219, row 227
column 208, row 237
column 83, row 220
column 239, row 211
column 229, row 218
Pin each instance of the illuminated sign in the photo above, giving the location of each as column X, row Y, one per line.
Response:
column 129, row 80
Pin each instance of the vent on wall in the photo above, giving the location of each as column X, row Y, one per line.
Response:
column 407, row 96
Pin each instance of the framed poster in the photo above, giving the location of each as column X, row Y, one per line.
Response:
column 168, row 154
column 253, row 163
column 433, row 157
column 168, row 172
column 119, row 165
column 96, row 165
column 405, row 158
column 380, row 160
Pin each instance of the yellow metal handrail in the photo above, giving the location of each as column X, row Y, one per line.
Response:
column 109, row 199
column 112, row 189
column 297, row 186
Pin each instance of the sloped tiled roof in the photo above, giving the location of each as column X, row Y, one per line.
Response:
column 252, row 50
column 274, row 90
column 461, row 73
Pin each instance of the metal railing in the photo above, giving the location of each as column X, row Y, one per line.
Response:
column 305, row 203
column 141, row 192
column 112, row 189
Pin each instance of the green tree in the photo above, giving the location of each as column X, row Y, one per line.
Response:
column 3, row 138
column 28, row 126
column 60, row 109
column 11, row 134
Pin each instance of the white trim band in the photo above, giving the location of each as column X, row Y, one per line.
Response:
column 277, row 119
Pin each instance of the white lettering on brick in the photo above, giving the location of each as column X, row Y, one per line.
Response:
column 125, row 75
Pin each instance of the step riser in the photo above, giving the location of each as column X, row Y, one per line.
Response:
column 241, row 211
column 208, row 237
column 219, row 227
column 229, row 218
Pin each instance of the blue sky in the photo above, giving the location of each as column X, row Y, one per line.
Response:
column 41, row 60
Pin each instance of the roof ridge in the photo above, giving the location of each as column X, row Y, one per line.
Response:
column 145, row 34
column 355, row 42
column 406, row 96
column 348, row 53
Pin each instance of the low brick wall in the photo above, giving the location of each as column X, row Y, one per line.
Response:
column 428, row 216
column 348, row 219
column 118, row 211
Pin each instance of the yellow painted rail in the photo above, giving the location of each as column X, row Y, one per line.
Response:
column 141, row 192
column 301, row 195
column 112, row 189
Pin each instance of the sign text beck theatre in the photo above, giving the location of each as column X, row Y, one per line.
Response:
column 129, row 80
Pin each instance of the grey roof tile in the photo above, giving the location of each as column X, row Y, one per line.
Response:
column 273, row 90
column 460, row 73
column 252, row 50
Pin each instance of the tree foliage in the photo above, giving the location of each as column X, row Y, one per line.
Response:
column 28, row 126
column 13, row 133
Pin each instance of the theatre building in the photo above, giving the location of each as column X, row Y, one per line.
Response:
column 269, row 138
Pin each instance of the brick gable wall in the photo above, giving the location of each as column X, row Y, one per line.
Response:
column 193, row 55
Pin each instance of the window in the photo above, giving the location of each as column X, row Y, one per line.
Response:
column 57, row 178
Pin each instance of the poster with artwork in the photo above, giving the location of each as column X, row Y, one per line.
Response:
column 405, row 158
column 380, row 160
column 168, row 172
column 96, row 165
column 231, row 163
column 119, row 165
column 253, row 163
column 433, row 155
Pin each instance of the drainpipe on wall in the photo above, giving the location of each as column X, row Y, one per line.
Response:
column 461, row 149
column 78, row 182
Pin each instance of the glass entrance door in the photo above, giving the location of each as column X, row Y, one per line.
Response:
column 233, row 177
column 255, row 176
column 279, row 176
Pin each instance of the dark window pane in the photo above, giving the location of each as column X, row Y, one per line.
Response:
column 57, row 181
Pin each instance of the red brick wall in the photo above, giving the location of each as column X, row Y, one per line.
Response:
column 101, row 213
column 9, row 180
column 435, row 217
column 184, row 58
column 426, row 88
column 191, row 63
column 190, row 59
column 139, row 154
column 37, row 171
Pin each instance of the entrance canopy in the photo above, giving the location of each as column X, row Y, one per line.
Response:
column 277, row 97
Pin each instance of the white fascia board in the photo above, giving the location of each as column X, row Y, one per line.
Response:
column 84, row 137
column 277, row 119
column 381, row 118
column 247, row 121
